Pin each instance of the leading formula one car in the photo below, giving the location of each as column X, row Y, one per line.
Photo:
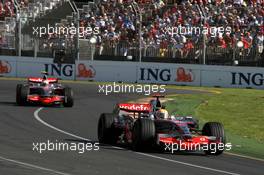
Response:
column 137, row 126
column 44, row 91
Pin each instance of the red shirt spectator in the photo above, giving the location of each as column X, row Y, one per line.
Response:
column 9, row 9
column 228, row 40
column 221, row 42
column 163, row 44
column 189, row 45
column 1, row 9
column 247, row 41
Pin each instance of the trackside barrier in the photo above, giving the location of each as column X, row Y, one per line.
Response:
column 31, row 67
column 8, row 67
column 106, row 71
column 178, row 74
column 118, row 71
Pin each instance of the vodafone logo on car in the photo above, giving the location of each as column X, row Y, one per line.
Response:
column 135, row 107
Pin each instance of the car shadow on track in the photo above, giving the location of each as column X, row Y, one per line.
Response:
column 122, row 147
column 7, row 103
column 102, row 146
column 12, row 103
column 80, row 141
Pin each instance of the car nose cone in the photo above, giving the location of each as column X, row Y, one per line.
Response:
column 46, row 100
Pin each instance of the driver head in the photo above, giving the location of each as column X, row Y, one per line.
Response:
column 45, row 83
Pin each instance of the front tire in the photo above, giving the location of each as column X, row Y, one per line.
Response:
column 143, row 134
column 21, row 94
column 217, row 130
column 18, row 94
column 105, row 130
column 68, row 97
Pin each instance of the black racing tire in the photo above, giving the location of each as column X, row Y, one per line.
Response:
column 214, row 129
column 68, row 97
column 21, row 94
column 143, row 136
column 105, row 130
column 18, row 94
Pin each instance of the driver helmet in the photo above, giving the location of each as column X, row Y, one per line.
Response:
column 45, row 83
column 162, row 114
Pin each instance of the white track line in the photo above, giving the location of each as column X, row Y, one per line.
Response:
column 243, row 156
column 187, row 164
column 60, row 130
column 57, row 129
column 27, row 165
column 147, row 155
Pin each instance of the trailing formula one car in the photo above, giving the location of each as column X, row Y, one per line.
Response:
column 44, row 91
column 137, row 126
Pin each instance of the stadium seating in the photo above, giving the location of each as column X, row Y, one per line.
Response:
column 118, row 22
column 119, row 33
column 28, row 10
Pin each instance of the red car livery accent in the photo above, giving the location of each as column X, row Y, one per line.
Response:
column 134, row 107
column 39, row 80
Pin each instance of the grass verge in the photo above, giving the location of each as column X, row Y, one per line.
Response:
column 240, row 110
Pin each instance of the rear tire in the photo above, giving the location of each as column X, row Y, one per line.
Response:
column 18, row 94
column 68, row 97
column 214, row 129
column 143, row 134
column 21, row 94
column 105, row 130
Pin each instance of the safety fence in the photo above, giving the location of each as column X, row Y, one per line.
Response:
column 181, row 51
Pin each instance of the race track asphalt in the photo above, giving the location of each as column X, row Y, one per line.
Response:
column 19, row 129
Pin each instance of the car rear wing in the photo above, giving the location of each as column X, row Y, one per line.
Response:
column 134, row 107
column 39, row 80
column 157, row 95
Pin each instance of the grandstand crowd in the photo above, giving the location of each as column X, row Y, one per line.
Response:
column 12, row 10
column 7, row 7
column 118, row 24
column 241, row 21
